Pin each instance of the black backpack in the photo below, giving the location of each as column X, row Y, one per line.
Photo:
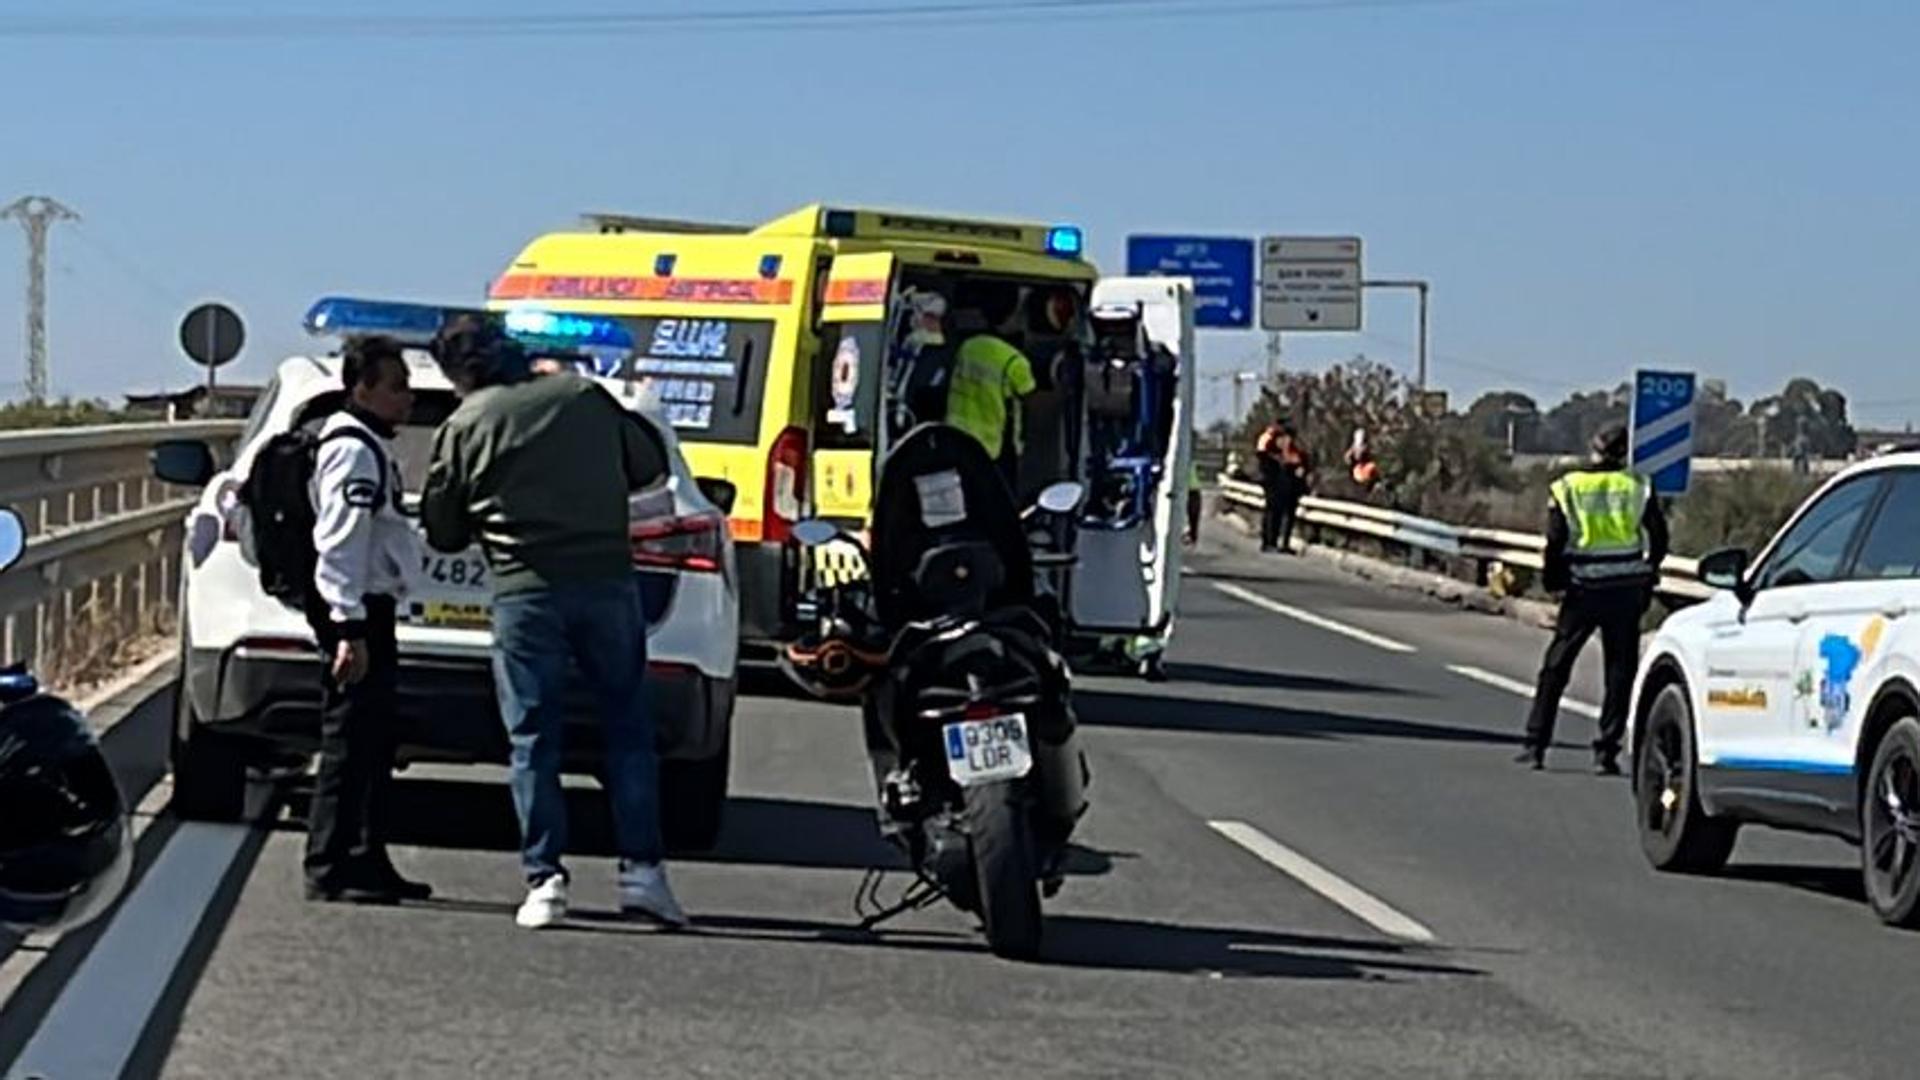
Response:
column 277, row 495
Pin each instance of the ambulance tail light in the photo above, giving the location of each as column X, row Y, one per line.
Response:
column 691, row 542
column 786, row 484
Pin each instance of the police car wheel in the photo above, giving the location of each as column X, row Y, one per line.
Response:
column 693, row 801
column 209, row 769
column 1890, row 826
column 1676, row 833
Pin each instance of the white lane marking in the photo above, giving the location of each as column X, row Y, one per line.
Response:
column 92, row 1028
column 1308, row 617
column 1358, row 902
column 1525, row 690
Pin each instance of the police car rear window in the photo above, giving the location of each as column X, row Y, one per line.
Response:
column 708, row 376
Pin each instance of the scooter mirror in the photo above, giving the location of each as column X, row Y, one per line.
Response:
column 1063, row 497
column 813, row 532
column 13, row 537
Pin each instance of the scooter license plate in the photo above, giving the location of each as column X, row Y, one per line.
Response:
column 983, row 751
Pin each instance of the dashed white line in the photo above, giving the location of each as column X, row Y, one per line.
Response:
column 1358, row 902
column 92, row 1028
column 1525, row 690
column 1301, row 615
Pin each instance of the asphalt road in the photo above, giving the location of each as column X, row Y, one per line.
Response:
column 1308, row 855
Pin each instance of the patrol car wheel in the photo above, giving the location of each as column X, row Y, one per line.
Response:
column 209, row 769
column 1890, row 827
column 1676, row 833
column 693, row 801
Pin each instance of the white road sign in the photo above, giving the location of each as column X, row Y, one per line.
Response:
column 1310, row 283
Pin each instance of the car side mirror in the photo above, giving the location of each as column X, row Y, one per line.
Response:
column 1727, row 569
column 187, row 462
column 13, row 537
column 720, row 493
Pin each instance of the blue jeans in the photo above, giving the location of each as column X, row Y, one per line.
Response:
column 539, row 636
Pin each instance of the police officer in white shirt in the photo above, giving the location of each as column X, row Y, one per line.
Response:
column 365, row 550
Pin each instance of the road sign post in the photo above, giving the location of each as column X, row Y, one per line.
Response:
column 1310, row 283
column 211, row 335
column 1221, row 269
column 1662, row 427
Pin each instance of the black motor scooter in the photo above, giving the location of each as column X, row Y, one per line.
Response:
column 947, row 644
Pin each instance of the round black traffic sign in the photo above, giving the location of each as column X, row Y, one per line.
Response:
column 212, row 334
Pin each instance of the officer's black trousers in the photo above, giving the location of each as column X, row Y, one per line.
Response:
column 1615, row 613
column 346, row 824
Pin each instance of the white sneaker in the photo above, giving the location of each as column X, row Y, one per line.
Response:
column 644, row 891
column 546, row 904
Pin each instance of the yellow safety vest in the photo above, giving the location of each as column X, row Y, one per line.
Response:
column 1605, row 514
column 986, row 373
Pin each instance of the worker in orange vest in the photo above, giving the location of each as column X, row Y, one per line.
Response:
column 1284, row 475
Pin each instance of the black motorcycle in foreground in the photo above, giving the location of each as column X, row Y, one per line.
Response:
column 947, row 643
column 64, row 848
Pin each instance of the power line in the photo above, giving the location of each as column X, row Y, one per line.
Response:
column 618, row 24
column 1454, row 360
column 160, row 291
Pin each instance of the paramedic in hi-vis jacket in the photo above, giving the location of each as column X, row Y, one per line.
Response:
column 365, row 550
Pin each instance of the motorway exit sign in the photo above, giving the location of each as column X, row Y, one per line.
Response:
column 1310, row 283
column 1221, row 269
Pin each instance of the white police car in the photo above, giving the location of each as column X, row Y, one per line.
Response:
column 248, row 691
column 1792, row 697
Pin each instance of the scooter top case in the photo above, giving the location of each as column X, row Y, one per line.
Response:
column 1140, row 394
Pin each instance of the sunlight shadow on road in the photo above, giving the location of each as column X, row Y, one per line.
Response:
column 464, row 815
column 1150, row 711
column 1295, row 682
column 1107, row 944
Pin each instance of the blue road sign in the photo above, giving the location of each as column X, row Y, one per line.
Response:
column 1221, row 269
column 1663, row 428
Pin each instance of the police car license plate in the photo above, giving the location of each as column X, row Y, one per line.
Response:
column 452, row 593
column 983, row 751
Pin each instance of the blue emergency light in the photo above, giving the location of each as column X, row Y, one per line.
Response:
column 553, row 328
column 338, row 316
column 1066, row 241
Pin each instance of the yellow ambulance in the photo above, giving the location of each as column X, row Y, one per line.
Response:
column 770, row 349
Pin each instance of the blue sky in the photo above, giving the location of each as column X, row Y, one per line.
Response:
column 1725, row 185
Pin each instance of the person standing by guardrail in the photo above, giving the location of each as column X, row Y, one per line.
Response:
column 1284, row 472
column 1606, row 539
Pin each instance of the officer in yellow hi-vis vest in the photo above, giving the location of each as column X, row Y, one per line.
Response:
column 990, row 376
column 1606, row 538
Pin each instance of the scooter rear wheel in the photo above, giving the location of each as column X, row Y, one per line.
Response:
column 1005, row 869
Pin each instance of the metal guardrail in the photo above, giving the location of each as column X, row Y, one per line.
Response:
column 1679, row 576
column 103, row 540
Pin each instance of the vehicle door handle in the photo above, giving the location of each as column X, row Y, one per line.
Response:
column 1894, row 609
column 1796, row 614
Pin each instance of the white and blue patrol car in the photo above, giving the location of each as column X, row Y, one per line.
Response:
column 1791, row 698
column 249, row 668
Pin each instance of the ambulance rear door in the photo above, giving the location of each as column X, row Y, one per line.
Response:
column 848, row 384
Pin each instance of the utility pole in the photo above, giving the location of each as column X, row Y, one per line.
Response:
column 36, row 214
column 1273, row 356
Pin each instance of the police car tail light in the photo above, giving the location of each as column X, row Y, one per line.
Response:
column 786, row 484
column 691, row 542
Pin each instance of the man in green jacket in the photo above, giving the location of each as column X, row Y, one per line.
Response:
column 538, row 469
